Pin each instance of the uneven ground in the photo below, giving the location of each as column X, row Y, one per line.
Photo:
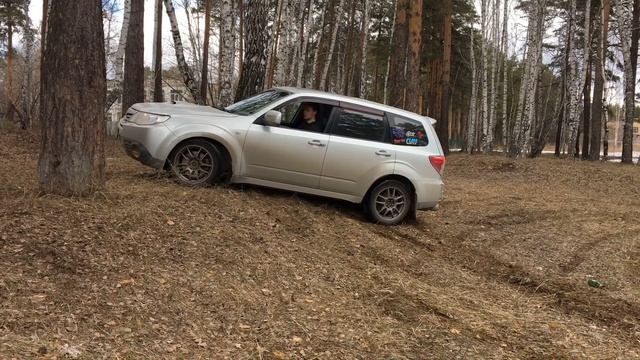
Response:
column 150, row 269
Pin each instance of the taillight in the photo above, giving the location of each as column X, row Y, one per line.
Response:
column 438, row 162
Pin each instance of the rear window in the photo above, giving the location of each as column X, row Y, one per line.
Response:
column 407, row 132
column 359, row 125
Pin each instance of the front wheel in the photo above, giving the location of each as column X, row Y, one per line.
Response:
column 197, row 162
column 389, row 202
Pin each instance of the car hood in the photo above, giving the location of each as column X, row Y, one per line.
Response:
column 184, row 109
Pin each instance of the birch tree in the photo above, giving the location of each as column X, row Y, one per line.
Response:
column 598, row 91
column 471, row 126
column 116, row 90
column 225, row 56
column 305, row 32
column 505, row 80
column 363, row 48
column 578, row 80
column 332, row 45
column 413, row 56
column 204, row 79
column 187, row 74
column 255, row 55
column 486, row 146
column 624, row 14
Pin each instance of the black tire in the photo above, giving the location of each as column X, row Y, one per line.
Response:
column 390, row 202
column 197, row 162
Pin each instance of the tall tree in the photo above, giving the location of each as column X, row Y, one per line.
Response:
column 72, row 152
column 598, row 91
column 204, row 81
column 133, row 84
column 255, row 54
column 361, row 90
column 116, row 91
column 442, row 126
column 332, row 45
column 12, row 18
column 624, row 15
column 398, row 60
column 225, row 58
column 305, row 32
column 186, row 71
column 471, row 125
column 158, row 96
column 412, row 102
column 273, row 46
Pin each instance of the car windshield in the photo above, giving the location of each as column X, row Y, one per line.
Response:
column 252, row 105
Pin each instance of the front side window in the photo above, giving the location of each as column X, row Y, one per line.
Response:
column 358, row 125
column 254, row 104
column 407, row 132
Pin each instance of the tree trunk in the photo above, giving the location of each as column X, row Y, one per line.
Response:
column 187, row 75
column 302, row 55
column 116, row 90
column 158, row 96
column 413, row 56
column 578, row 79
column 624, row 15
column 586, row 127
column 73, row 129
column 398, row 60
column 471, row 127
column 505, row 66
column 485, row 83
column 598, row 92
column 255, row 57
column 204, row 80
column 442, row 126
column 273, row 46
column 348, row 52
column 133, row 83
column 315, row 80
column 361, row 91
column 332, row 45
column 225, row 62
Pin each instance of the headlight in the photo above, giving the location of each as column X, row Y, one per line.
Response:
column 143, row 118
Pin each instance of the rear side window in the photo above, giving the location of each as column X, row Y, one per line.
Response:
column 360, row 125
column 407, row 132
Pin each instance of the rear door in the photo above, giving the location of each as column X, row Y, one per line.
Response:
column 359, row 151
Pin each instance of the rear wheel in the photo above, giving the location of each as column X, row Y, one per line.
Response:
column 197, row 162
column 390, row 202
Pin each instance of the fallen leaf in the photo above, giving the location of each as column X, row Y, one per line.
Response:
column 266, row 292
column 244, row 327
column 297, row 340
column 170, row 223
column 455, row 331
column 279, row 355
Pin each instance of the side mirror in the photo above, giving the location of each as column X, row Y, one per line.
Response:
column 273, row 118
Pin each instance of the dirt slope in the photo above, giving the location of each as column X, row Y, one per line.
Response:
column 150, row 269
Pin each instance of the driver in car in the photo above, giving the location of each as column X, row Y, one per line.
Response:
column 309, row 118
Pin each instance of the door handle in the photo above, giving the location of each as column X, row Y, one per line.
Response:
column 383, row 153
column 316, row 143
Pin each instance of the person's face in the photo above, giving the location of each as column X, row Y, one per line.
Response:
column 309, row 113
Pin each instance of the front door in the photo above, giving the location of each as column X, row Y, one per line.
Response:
column 285, row 154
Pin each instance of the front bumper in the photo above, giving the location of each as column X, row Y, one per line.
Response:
column 147, row 144
column 137, row 151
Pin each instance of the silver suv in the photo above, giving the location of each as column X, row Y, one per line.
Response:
column 300, row 140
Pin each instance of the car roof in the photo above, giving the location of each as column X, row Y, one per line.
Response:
column 352, row 100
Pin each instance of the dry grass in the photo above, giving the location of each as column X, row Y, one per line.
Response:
column 150, row 269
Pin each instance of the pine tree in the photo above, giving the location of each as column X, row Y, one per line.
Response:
column 73, row 129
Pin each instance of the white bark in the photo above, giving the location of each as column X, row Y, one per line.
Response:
column 624, row 14
column 302, row 54
column 578, row 79
column 116, row 91
column 471, row 127
column 363, row 48
column 505, row 82
column 226, row 60
column 332, row 45
column 494, row 76
column 187, row 74
column 485, row 70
